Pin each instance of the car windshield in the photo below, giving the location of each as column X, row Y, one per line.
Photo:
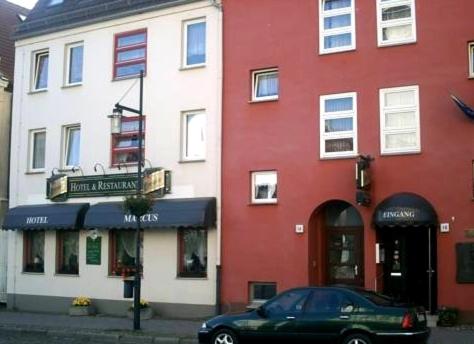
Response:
column 378, row 299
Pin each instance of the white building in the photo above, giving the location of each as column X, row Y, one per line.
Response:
column 74, row 62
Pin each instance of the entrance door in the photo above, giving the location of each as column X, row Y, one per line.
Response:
column 3, row 266
column 345, row 265
column 409, row 265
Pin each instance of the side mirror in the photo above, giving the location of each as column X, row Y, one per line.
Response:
column 261, row 312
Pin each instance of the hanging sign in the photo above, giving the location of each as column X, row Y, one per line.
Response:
column 156, row 181
column 93, row 251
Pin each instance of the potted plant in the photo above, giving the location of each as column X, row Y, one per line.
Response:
column 81, row 306
column 146, row 312
column 137, row 205
column 447, row 316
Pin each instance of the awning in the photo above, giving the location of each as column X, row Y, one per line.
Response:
column 46, row 216
column 166, row 213
column 404, row 210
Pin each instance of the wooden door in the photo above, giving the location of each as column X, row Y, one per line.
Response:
column 345, row 264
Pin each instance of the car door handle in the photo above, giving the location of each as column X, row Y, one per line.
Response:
column 344, row 317
column 290, row 318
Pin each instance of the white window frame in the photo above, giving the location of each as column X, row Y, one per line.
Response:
column 332, row 32
column 65, row 146
column 35, row 70
column 386, row 131
column 31, row 146
column 184, row 135
column 67, row 63
column 255, row 76
column 254, row 200
column 337, row 135
column 184, row 62
column 471, row 59
column 395, row 22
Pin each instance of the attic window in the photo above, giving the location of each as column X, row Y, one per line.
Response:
column 21, row 17
column 54, row 2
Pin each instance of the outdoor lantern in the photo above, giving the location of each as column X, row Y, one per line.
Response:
column 116, row 121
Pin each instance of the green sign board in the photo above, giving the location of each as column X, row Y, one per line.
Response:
column 60, row 187
column 93, row 251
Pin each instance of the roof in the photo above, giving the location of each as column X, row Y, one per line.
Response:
column 45, row 18
column 8, row 20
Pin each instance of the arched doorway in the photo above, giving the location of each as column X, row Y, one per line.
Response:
column 336, row 245
column 406, row 232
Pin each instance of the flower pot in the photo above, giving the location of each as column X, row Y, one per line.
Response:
column 145, row 313
column 77, row 311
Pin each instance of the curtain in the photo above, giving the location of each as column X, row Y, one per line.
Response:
column 335, row 41
column 338, row 124
column 267, row 84
column 335, row 4
column 196, row 43
column 397, row 32
column 400, row 119
column 397, row 12
column 338, row 104
column 401, row 140
column 403, row 98
column 39, row 143
column 195, row 144
column 73, row 147
column 195, row 250
column 339, row 21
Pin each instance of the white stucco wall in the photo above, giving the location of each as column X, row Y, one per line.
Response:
column 168, row 91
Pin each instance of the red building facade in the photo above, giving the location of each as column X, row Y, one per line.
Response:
column 308, row 88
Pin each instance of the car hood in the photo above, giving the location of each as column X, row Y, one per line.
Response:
column 231, row 318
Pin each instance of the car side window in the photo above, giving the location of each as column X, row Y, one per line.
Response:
column 290, row 302
column 329, row 301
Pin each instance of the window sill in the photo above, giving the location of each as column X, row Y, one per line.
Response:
column 38, row 91
column 191, row 161
column 255, row 101
column 192, row 278
column 137, row 76
column 349, row 156
column 197, row 66
column 394, row 44
column 57, row 274
column 71, row 85
column 36, row 172
column 329, row 52
column 400, row 153
column 263, row 203
column 33, row 273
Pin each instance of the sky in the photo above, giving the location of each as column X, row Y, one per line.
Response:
column 24, row 3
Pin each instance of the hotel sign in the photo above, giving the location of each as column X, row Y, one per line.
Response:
column 156, row 181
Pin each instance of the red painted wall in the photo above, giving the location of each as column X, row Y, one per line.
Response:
column 259, row 241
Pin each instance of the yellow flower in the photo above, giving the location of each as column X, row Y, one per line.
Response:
column 81, row 301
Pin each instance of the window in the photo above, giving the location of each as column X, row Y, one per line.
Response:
column 67, row 252
column 396, row 22
column 471, row 59
column 291, row 302
column 336, row 26
column 37, row 150
column 264, row 187
column 400, row 120
column 54, row 2
column 130, row 54
column 194, row 138
column 265, row 85
column 262, row 291
column 74, row 63
column 125, row 145
column 338, row 125
column 122, row 253
column 194, row 42
column 192, row 253
column 328, row 301
column 33, row 251
column 71, row 149
column 40, row 70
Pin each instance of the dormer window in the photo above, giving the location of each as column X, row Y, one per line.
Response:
column 55, row 2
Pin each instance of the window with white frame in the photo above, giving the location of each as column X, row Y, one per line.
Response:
column 338, row 125
column 396, row 22
column 260, row 292
column 471, row 59
column 194, row 136
column 194, row 43
column 71, row 147
column 264, row 187
column 265, row 84
column 40, row 70
column 336, row 26
column 37, row 152
column 400, row 120
column 74, row 63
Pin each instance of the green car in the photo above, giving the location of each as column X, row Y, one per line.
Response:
column 321, row 314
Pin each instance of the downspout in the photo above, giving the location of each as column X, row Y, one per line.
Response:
column 219, row 108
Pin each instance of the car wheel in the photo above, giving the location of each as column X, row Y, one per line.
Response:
column 224, row 336
column 357, row 338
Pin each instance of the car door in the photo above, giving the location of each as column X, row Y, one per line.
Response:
column 327, row 312
column 276, row 320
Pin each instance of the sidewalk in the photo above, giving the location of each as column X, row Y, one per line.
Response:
column 36, row 328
